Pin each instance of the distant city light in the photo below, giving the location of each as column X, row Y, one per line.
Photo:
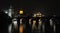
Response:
column 38, row 15
column 34, row 15
column 21, row 12
column 9, row 11
column 6, row 12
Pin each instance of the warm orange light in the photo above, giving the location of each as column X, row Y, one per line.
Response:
column 21, row 29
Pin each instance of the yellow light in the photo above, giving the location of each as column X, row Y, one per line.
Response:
column 34, row 15
column 37, row 14
column 21, row 11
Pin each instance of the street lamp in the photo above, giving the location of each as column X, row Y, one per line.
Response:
column 21, row 12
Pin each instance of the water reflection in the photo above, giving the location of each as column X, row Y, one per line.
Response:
column 37, row 25
column 21, row 28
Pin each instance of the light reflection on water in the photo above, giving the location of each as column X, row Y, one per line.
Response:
column 34, row 28
column 21, row 28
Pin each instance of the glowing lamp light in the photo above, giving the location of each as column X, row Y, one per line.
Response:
column 21, row 12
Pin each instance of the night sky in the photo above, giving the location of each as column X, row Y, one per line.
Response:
column 48, row 7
